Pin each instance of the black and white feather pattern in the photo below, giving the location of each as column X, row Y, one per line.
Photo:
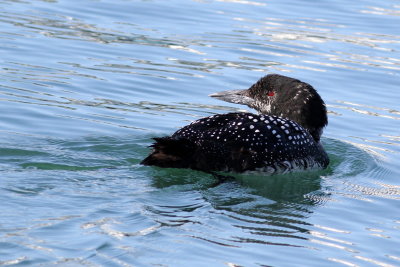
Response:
column 243, row 142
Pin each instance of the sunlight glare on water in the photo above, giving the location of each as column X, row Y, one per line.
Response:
column 84, row 86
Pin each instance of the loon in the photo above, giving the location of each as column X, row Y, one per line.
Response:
column 284, row 137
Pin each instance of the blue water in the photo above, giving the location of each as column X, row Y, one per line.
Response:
column 85, row 85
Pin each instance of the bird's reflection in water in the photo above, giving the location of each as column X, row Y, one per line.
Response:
column 253, row 208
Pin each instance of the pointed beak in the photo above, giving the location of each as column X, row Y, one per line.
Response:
column 234, row 96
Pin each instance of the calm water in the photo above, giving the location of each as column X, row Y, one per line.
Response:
column 85, row 85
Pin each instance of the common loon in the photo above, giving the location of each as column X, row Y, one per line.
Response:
column 285, row 136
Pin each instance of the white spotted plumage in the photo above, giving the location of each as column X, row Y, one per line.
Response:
column 270, row 145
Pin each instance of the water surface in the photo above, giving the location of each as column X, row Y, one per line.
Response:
column 85, row 85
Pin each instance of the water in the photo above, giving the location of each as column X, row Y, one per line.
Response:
column 85, row 85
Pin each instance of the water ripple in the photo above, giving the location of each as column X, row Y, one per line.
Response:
column 85, row 87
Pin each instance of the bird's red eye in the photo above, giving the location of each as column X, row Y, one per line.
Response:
column 271, row 93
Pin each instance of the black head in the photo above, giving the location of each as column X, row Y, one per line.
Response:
column 286, row 97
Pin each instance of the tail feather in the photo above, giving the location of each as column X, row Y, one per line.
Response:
column 170, row 153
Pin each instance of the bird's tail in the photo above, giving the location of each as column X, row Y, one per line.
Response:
column 170, row 153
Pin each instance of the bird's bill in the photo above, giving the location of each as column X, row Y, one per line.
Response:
column 234, row 96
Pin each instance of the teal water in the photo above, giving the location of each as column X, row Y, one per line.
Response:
column 85, row 85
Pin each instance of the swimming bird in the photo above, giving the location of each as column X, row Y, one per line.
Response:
column 284, row 136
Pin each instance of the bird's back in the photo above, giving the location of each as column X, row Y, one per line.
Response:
column 239, row 142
